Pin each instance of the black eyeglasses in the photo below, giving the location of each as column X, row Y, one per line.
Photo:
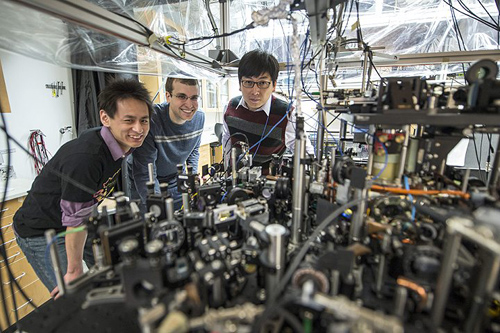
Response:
column 260, row 84
column 184, row 98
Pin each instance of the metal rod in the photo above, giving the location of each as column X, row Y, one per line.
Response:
column 369, row 164
column 276, row 250
column 349, row 310
column 365, row 71
column 342, row 134
column 234, row 174
column 355, row 232
column 381, row 265
column 402, row 156
column 426, row 58
column 276, row 255
column 320, row 135
column 305, row 226
column 298, row 188
column 446, row 272
column 490, row 244
column 484, row 288
column 185, row 202
column 335, row 282
column 224, row 22
column 320, row 138
column 151, row 172
column 442, row 166
column 98, row 254
column 56, row 264
column 169, row 207
column 400, row 301
column 217, row 289
column 495, row 172
column 465, row 180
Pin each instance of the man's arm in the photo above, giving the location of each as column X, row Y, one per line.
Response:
column 75, row 242
column 73, row 216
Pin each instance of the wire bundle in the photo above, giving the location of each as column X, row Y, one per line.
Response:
column 38, row 150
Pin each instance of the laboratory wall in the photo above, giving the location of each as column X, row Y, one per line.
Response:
column 34, row 106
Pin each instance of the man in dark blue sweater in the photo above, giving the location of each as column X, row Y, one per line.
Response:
column 174, row 138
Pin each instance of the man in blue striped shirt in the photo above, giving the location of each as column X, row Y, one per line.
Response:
column 174, row 138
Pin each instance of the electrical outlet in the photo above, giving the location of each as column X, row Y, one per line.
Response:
column 6, row 151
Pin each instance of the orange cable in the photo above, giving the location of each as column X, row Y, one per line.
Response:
column 419, row 192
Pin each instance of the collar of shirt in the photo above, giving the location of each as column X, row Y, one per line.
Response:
column 266, row 107
column 113, row 145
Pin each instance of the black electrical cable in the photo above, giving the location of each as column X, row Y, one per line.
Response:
column 320, row 50
column 237, row 133
column 456, row 27
column 313, row 57
column 335, row 117
column 176, row 56
column 348, row 18
column 229, row 138
column 276, row 311
column 471, row 13
column 306, row 49
column 247, row 27
column 290, row 318
column 475, row 17
column 202, row 47
column 370, row 57
column 334, row 23
column 458, row 33
column 487, row 12
column 358, row 28
column 211, row 17
column 3, row 252
column 148, row 31
column 292, row 267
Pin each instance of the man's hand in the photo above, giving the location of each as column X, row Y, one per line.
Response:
column 75, row 242
column 70, row 276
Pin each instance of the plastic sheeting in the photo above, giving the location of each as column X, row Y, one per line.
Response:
column 422, row 26
column 41, row 36
column 398, row 26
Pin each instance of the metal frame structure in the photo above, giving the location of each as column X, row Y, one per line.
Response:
column 424, row 58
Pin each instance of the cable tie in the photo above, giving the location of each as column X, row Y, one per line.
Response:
column 151, row 39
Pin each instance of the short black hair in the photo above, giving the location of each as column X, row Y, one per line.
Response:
column 122, row 89
column 258, row 62
column 169, row 85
